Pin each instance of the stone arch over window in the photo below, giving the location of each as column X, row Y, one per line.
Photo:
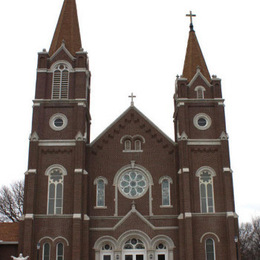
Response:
column 133, row 181
column 166, row 182
column 100, row 183
column 200, row 92
column 55, row 175
column 132, row 143
column 48, row 246
column 134, row 243
column 60, row 79
column 206, row 187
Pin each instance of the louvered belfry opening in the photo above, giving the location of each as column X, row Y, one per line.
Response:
column 60, row 87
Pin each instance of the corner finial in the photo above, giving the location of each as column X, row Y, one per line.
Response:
column 132, row 99
column 191, row 24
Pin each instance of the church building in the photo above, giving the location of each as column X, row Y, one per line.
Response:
column 132, row 193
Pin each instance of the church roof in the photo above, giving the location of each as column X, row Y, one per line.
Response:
column 67, row 29
column 9, row 232
column 194, row 59
column 133, row 108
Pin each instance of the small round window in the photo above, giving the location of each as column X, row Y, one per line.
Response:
column 202, row 121
column 58, row 122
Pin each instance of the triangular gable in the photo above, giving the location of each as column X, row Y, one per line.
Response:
column 62, row 47
column 199, row 74
column 140, row 114
column 135, row 212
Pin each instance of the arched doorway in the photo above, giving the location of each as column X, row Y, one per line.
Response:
column 134, row 249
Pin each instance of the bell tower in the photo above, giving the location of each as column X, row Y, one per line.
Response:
column 205, row 176
column 54, row 206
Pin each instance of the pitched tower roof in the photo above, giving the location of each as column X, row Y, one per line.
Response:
column 67, row 29
column 194, row 58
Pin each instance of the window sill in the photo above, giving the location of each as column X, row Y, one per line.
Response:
column 166, row 206
column 132, row 151
column 100, row 207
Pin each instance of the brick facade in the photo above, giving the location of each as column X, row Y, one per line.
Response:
column 132, row 183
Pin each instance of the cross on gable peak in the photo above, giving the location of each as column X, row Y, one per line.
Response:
column 132, row 99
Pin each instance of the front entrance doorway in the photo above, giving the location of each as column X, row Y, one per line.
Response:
column 134, row 249
column 134, row 257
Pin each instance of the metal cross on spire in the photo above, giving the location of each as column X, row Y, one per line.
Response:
column 191, row 15
column 132, row 99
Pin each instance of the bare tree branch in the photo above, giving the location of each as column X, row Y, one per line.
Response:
column 11, row 202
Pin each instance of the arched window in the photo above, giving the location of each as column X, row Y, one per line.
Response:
column 134, row 244
column 59, row 251
column 200, row 92
column 165, row 182
column 206, row 189
column 60, row 85
column 100, row 183
column 128, row 145
column 55, row 194
column 210, row 249
column 46, row 252
column 138, row 145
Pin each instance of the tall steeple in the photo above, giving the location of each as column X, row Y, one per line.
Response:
column 67, row 29
column 194, row 58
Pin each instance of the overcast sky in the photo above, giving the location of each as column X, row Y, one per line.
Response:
column 139, row 46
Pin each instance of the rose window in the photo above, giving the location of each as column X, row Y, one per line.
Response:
column 133, row 184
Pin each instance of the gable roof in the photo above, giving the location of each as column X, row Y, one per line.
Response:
column 140, row 114
column 67, row 29
column 9, row 232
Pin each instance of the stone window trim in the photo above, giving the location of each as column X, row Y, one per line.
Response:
column 204, row 117
column 96, row 182
column 54, row 118
column 151, row 245
column 132, row 143
column 55, row 185
column 206, row 188
column 169, row 181
column 200, row 92
column 60, row 80
column 126, row 168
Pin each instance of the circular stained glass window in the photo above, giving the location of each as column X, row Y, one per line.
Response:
column 202, row 121
column 58, row 122
column 133, row 184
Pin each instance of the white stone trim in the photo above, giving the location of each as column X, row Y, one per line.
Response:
column 204, row 116
column 77, row 215
column 57, row 142
column 30, row 171
column 210, row 234
column 86, row 217
column 227, row 169
column 54, row 239
column 58, row 116
column 204, row 142
column 29, row 216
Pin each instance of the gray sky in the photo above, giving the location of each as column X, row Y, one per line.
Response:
column 138, row 46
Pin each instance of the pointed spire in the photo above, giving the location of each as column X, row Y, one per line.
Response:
column 67, row 29
column 194, row 58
